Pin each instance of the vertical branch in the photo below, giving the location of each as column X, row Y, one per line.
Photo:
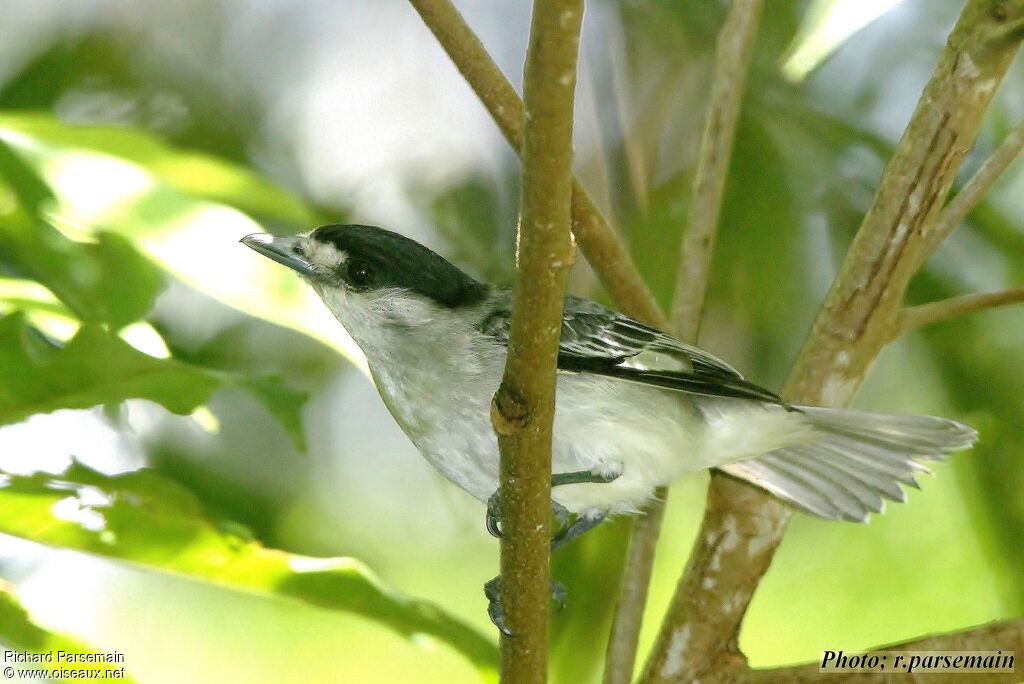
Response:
column 743, row 526
column 523, row 408
column 732, row 58
column 599, row 242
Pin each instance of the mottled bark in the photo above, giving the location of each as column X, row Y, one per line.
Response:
column 743, row 526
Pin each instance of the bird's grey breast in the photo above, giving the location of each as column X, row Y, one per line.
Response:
column 438, row 385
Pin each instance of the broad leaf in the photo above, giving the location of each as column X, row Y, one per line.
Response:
column 40, row 375
column 144, row 518
column 280, row 400
column 185, row 210
column 105, row 280
column 192, row 173
column 828, row 24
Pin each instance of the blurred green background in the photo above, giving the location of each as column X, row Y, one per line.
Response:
column 200, row 474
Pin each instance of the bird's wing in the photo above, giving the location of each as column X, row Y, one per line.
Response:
column 599, row 341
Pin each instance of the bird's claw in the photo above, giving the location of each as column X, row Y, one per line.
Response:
column 493, row 520
column 496, row 611
column 565, row 530
column 561, row 519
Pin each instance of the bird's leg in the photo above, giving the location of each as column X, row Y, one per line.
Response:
column 581, row 476
column 564, row 532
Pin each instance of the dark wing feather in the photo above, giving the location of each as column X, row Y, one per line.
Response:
column 599, row 341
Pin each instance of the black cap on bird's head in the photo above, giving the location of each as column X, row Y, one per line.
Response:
column 367, row 258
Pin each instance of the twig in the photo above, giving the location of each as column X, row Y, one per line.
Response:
column 743, row 526
column 934, row 312
column 602, row 247
column 972, row 192
column 524, row 406
column 620, row 654
column 640, row 142
column 735, row 44
column 1007, row 636
column 734, row 47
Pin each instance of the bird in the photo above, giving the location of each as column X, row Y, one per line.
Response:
column 636, row 409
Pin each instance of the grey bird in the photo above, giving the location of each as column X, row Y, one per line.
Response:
column 635, row 408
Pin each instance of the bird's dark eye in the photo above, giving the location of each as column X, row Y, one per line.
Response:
column 359, row 273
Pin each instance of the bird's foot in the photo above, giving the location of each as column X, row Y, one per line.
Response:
column 565, row 530
column 495, row 610
column 493, row 520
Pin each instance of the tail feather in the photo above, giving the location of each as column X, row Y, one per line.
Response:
column 927, row 437
column 885, row 483
column 792, row 490
column 840, row 490
column 864, row 486
column 860, row 460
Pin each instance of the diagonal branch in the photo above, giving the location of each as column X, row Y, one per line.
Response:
column 602, row 247
column 975, row 188
column 934, row 312
column 732, row 57
column 734, row 47
column 640, row 142
column 743, row 526
column 524, row 406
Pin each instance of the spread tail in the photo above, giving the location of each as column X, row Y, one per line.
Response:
column 860, row 460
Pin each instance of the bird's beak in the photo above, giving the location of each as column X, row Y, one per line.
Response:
column 281, row 249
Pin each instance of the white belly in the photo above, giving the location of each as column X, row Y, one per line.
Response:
column 597, row 427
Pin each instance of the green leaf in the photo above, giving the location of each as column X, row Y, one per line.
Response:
column 192, row 173
column 179, row 207
column 20, row 633
column 477, row 216
column 105, row 281
column 280, row 400
column 826, row 26
column 144, row 518
column 95, row 367
column 38, row 375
